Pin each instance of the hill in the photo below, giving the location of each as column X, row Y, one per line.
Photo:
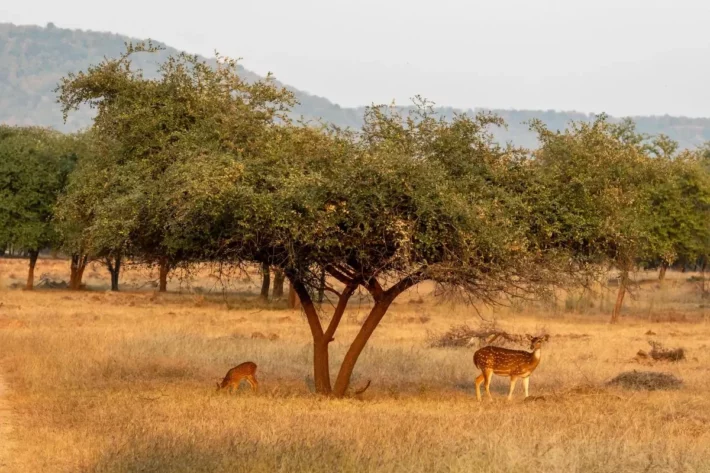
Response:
column 33, row 58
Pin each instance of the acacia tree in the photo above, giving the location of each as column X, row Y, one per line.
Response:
column 93, row 214
column 678, row 213
column 593, row 194
column 162, row 127
column 34, row 165
column 410, row 199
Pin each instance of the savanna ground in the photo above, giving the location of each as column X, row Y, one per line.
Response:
column 106, row 382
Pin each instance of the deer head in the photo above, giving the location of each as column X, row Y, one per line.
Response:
column 536, row 342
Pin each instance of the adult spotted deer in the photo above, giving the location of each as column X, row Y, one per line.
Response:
column 246, row 370
column 504, row 362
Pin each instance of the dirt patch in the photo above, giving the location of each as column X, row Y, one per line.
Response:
column 12, row 324
column 646, row 381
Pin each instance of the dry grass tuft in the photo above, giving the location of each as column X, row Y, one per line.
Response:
column 465, row 336
column 46, row 282
column 646, row 381
column 659, row 353
column 456, row 336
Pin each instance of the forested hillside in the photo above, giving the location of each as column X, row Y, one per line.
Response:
column 33, row 58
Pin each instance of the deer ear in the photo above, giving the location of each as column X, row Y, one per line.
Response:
column 546, row 337
column 530, row 337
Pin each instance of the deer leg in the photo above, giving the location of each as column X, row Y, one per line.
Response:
column 252, row 382
column 489, row 375
column 513, row 380
column 526, row 383
column 479, row 380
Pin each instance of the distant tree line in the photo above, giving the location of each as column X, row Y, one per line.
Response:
column 34, row 58
column 198, row 165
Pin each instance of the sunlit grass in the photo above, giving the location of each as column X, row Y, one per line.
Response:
column 126, row 382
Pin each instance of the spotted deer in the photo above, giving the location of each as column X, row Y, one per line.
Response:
column 504, row 362
column 234, row 376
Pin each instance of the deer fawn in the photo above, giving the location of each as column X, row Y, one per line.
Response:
column 503, row 362
column 234, row 376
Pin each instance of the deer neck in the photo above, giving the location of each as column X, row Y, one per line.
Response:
column 536, row 355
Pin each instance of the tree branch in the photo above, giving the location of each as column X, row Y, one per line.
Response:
column 410, row 280
column 339, row 311
column 340, row 275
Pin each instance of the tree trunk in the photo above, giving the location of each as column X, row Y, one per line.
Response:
column 321, row 361
column 662, row 272
column 114, row 267
column 278, row 291
column 321, row 367
column 623, row 283
column 321, row 339
column 265, row 281
column 293, row 301
column 163, row 269
column 34, row 254
column 78, row 265
column 348, row 366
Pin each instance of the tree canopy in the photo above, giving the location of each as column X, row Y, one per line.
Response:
column 34, row 166
column 197, row 164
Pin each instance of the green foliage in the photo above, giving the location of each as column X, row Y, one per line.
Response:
column 153, row 137
column 590, row 193
column 197, row 164
column 678, row 216
column 34, row 165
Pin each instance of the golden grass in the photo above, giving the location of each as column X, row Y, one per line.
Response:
column 125, row 382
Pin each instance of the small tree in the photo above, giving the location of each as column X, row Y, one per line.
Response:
column 592, row 195
column 162, row 130
column 93, row 213
column 679, row 211
column 34, row 165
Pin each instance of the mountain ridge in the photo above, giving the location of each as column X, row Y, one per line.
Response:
column 34, row 58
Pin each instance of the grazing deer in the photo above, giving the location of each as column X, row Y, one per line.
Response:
column 503, row 362
column 234, row 376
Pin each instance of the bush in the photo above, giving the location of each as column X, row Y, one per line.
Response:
column 646, row 381
column 465, row 336
column 659, row 353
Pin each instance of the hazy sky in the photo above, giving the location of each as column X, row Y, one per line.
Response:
column 624, row 57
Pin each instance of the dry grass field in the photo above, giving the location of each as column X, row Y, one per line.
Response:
column 125, row 382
